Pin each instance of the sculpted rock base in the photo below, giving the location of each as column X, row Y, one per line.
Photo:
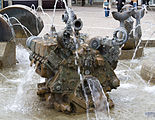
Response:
column 148, row 70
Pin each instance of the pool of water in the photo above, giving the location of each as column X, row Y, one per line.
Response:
column 134, row 99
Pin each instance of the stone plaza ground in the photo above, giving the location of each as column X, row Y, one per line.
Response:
column 96, row 24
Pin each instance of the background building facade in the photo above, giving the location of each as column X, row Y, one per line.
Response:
column 46, row 4
column 49, row 4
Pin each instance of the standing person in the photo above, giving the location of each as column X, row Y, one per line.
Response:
column 120, row 4
column 83, row 2
column 135, row 3
column 145, row 2
column 106, row 7
column 91, row 2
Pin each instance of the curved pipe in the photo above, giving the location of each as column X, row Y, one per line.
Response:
column 27, row 17
column 30, row 43
column 122, row 16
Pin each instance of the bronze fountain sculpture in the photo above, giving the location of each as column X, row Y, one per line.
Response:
column 69, row 61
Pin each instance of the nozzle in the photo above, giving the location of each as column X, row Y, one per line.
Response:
column 77, row 24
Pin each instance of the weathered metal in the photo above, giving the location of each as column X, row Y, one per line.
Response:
column 61, row 57
column 23, row 19
column 125, row 18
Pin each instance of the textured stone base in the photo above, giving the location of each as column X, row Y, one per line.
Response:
column 128, row 54
column 148, row 70
column 7, row 54
column 150, row 43
column 21, row 41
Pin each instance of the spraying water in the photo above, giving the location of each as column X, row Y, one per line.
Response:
column 25, row 29
column 54, row 12
column 42, row 11
column 151, row 75
column 99, row 98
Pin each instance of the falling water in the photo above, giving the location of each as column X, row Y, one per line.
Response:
column 23, row 84
column 139, row 25
column 76, row 57
column 67, row 9
column 54, row 12
column 128, row 99
column 42, row 11
column 149, row 39
column 79, row 72
column 133, row 72
column 4, row 76
column 23, row 27
column 85, row 95
column 151, row 74
column 81, row 76
column 134, row 54
column 10, row 24
column 34, row 9
column 17, row 104
column 18, row 23
column 99, row 98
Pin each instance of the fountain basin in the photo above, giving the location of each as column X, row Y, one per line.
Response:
column 7, row 54
column 148, row 43
column 128, row 54
column 148, row 69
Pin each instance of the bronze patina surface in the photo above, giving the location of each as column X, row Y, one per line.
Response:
column 65, row 58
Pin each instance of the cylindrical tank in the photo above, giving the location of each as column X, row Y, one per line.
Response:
column 5, row 31
column 31, row 23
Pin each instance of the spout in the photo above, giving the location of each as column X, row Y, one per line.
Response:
column 77, row 24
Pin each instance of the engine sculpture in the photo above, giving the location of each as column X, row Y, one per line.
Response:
column 62, row 57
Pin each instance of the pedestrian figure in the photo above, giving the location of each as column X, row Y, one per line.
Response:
column 106, row 7
column 91, row 2
column 83, row 2
column 145, row 2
